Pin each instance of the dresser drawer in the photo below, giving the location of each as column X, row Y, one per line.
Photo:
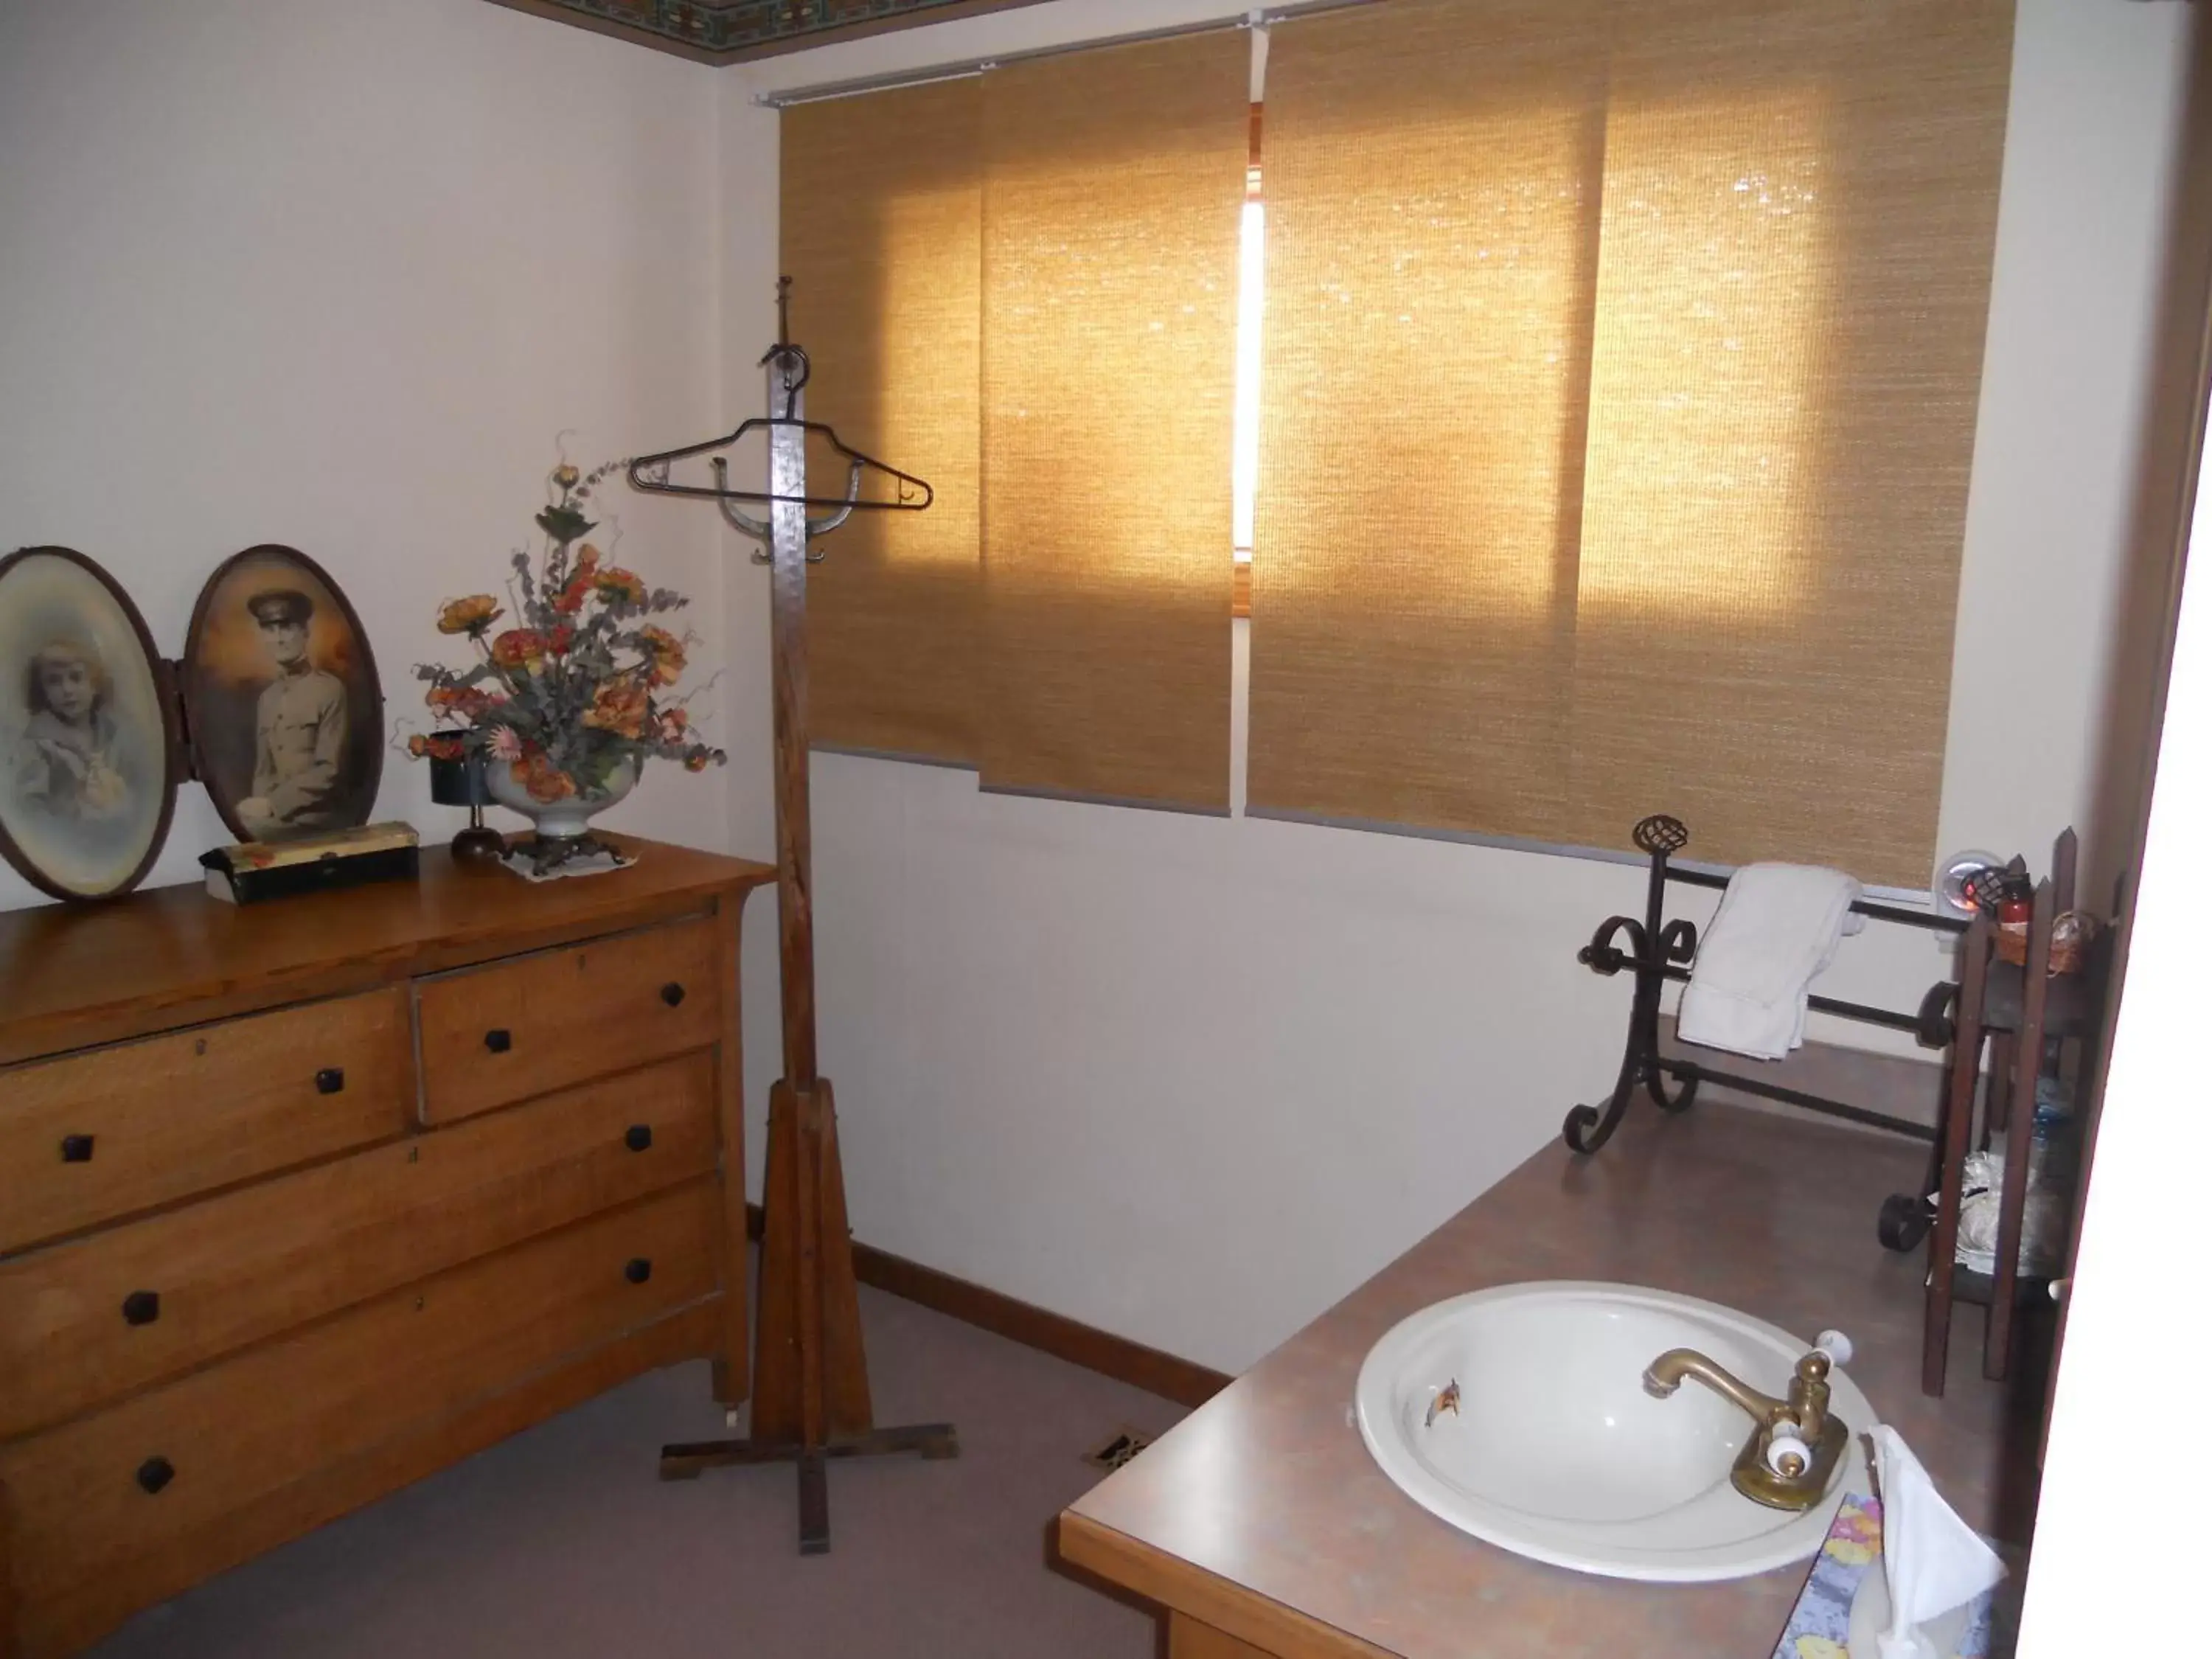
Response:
column 492, row 1035
column 83, row 1322
column 111, row 1131
column 105, row 1489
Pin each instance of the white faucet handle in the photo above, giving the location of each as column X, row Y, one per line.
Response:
column 1787, row 1456
column 1836, row 1347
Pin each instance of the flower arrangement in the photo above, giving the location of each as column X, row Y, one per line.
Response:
column 583, row 685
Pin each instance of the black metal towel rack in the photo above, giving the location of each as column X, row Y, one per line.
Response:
column 1660, row 951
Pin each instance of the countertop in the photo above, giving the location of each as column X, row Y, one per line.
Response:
column 1263, row 1514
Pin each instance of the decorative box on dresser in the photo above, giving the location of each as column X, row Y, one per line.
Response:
column 302, row 1201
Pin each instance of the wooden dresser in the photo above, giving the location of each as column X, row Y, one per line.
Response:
column 302, row 1201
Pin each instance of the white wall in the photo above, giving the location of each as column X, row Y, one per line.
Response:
column 335, row 275
column 1191, row 1080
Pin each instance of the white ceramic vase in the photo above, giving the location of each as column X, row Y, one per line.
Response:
column 559, row 820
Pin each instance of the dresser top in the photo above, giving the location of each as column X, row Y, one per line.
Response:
column 75, row 975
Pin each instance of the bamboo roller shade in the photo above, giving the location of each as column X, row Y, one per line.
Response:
column 1429, row 172
column 1621, row 374
column 1038, row 267
column 1114, row 183
column 882, row 225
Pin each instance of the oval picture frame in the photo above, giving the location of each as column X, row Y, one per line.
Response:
column 261, row 728
column 91, row 748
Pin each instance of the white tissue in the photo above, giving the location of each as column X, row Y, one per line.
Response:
column 1932, row 1560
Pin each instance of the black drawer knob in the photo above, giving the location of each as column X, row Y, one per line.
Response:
column 638, row 1137
column 77, row 1149
column 141, row 1307
column 331, row 1080
column 672, row 994
column 154, row 1474
column 639, row 1270
column 499, row 1040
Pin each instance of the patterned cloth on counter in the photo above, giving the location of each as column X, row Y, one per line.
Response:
column 1820, row 1625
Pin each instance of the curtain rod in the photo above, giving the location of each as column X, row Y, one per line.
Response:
column 969, row 69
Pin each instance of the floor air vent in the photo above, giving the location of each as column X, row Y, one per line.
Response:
column 1117, row 1448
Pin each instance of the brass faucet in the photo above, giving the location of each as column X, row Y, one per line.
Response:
column 1787, row 1463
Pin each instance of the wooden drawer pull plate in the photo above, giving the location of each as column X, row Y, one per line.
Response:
column 154, row 1474
column 141, row 1307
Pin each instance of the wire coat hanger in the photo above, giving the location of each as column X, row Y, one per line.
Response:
column 652, row 474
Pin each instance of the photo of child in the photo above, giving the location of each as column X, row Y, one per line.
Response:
column 89, row 756
column 68, row 762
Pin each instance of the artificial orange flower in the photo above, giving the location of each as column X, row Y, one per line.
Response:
column 573, row 591
column 620, row 707
column 543, row 780
column 519, row 647
column 463, row 702
column 674, row 722
column 418, row 745
column 616, row 585
column 471, row 616
column 664, row 654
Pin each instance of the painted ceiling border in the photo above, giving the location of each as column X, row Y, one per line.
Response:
column 613, row 18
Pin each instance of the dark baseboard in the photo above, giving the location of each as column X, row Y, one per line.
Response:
column 1164, row 1374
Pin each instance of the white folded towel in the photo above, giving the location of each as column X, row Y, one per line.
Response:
column 1776, row 930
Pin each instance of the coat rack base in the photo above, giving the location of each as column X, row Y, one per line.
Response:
column 811, row 1401
column 688, row 1462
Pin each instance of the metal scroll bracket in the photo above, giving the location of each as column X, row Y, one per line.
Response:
column 1587, row 1129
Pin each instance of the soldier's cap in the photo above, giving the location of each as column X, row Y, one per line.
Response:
column 279, row 606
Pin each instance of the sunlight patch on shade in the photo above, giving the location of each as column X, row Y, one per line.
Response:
column 1716, row 271
column 926, row 265
column 1427, row 347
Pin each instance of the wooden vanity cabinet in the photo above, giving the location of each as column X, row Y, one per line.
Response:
column 301, row 1202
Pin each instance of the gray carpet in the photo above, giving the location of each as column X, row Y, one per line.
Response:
column 561, row 1544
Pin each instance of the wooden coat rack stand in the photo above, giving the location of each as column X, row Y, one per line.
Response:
column 810, row 1397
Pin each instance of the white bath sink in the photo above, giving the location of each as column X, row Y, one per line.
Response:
column 1556, row 1453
